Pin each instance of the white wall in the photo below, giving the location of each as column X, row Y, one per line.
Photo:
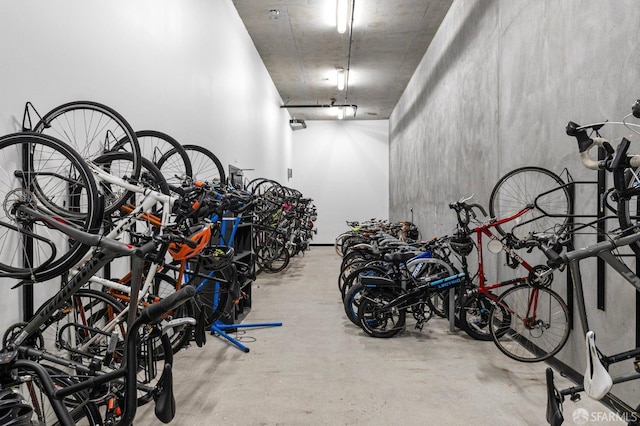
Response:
column 344, row 167
column 188, row 68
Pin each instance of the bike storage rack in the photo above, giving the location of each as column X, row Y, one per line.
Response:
column 600, row 218
column 234, row 233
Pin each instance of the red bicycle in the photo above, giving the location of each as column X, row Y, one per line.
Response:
column 538, row 203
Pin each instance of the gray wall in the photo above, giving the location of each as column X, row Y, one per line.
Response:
column 494, row 92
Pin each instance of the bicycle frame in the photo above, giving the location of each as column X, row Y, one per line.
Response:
column 150, row 199
column 604, row 250
column 109, row 250
column 485, row 229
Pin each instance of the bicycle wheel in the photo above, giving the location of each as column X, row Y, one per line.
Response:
column 337, row 245
column 351, row 298
column 94, row 129
column 154, row 145
column 628, row 207
column 84, row 326
column 276, row 264
column 474, row 317
column 536, row 327
column 205, row 166
column 82, row 409
column 375, row 319
column 114, row 163
column 44, row 174
column 533, row 187
column 269, row 250
column 216, row 292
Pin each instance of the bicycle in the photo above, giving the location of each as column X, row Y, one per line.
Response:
column 403, row 268
column 109, row 249
column 597, row 380
column 485, row 315
column 384, row 302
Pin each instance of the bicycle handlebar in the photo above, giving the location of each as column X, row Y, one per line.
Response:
column 586, row 143
column 460, row 206
column 155, row 311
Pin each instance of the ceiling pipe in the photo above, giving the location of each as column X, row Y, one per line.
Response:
column 332, row 105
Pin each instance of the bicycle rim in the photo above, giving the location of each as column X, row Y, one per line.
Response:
column 94, row 129
column 78, row 330
column 531, row 186
column 55, row 181
column 628, row 209
column 154, row 145
column 83, row 411
column 474, row 317
column 205, row 166
column 535, row 327
column 375, row 319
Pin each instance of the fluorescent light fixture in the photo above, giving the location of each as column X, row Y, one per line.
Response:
column 341, row 113
column 340, row 73
column 342, row 14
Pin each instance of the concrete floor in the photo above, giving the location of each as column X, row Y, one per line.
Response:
column 319, row 369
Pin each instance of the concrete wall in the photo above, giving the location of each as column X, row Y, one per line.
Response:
column 494, row 92
column 344, row 167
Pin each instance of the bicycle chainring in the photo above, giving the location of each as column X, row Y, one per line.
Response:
column 540, row 276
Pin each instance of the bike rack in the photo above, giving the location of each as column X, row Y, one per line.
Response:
column 227, row 236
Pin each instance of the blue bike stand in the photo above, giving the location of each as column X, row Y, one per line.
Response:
column 218, row 327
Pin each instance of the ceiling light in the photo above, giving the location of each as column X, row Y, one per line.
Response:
column 342, row 13
column 341, row 113
column 340, row 73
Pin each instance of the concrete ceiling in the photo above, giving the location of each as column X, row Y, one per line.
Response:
column 301, row 48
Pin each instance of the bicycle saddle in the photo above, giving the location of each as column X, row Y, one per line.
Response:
column 398, row 257
column 597, row 381
column 554, row 401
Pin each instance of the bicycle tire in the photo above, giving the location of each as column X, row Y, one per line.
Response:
column 528, row 186
column 94, row 129
column 77, row 321
column 474, row 317
column 150, row 177
column 269, row 247
column 154, row 145
column 277, row 264
column 83, row 411
column 213, row 296
column 55, row 181
column 205, row 166
column 337, row 245
column 352, row 261
column 627, row 204
column 526, row 337
column 377, row 321
column 351, row 298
